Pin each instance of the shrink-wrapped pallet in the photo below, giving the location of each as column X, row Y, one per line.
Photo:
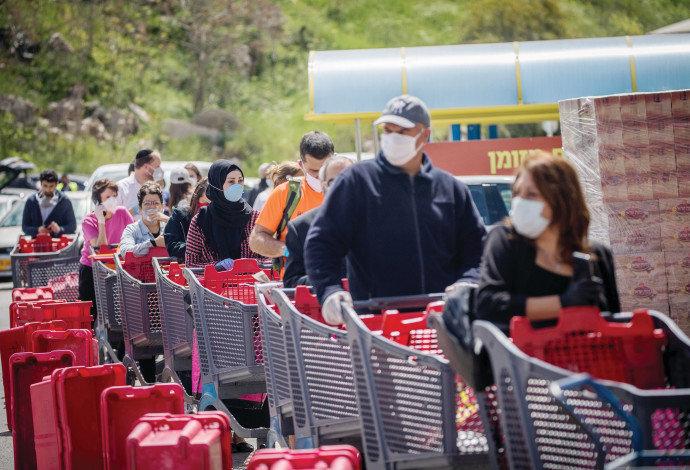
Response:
column 632, row 154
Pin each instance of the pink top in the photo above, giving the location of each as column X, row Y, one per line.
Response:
column 114, row 227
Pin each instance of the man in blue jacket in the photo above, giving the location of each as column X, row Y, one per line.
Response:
column 48, row 211
column 404, row 226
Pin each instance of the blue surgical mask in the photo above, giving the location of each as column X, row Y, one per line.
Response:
column 233, row 193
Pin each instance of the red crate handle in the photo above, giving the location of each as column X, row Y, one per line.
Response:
column 240, row 266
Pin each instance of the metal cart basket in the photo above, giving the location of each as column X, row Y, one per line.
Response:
column 540, row 433
column 176, row 318
column 141, row 319
column 226, row 321
column 107, row 289
column 321, row 378
column 43, row 248
column 410, row 413
column 275, row 366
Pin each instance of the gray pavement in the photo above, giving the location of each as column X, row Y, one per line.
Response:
column 6, row 449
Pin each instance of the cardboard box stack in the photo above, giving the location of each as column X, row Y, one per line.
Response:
column 632, row 153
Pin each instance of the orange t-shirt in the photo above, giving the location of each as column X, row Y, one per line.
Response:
column 272, row 213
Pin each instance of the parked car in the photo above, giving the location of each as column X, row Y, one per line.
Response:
column 6, row 203
column 491, row 195
column 11, row 224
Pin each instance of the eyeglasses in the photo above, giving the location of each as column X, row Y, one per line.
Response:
column 151, row 204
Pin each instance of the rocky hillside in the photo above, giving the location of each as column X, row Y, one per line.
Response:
column 88, row 82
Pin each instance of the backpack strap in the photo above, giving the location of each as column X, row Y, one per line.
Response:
column 293, row 197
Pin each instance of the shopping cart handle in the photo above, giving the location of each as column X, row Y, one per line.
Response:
column 583, row 380
column 405, row 301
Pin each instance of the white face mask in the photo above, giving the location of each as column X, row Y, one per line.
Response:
column 526, row 217
column 193, row 181
column 398, row 148
column 314, row 183
column 269, row 182
column 157, row 174
column 110, row 204
column 149, row 215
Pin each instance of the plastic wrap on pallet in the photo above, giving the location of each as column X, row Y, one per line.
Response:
column 632, row 154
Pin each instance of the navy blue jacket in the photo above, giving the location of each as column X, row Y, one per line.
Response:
column 401, row 235
column 63, row 214
column 175, row 232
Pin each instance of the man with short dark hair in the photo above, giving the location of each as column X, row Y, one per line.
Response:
column 48, row 211
column 147, row 167
column 406, row 227
column 268, row 236
column 297, row 229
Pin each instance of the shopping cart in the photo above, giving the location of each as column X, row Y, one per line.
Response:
column 107, row 289
column 226, row 320
column 141, row 319
column 669, row 411
column 538, row 433
column 321, row 382
column 177, row 321
column 413, row 411
column 34, row 261
column 275, row 366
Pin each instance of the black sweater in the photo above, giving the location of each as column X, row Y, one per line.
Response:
column 175, row 232
column 509, row 275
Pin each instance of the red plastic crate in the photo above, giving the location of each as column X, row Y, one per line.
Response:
column 307, row 304
column 106, row 250
column 67, row 416
column 31, row 294
column 16, row 340
column 175, row 273
column 43, row 243
column 25, row 312
column 236, row 284
column 121, row 408
column 583, row 341
column 411, row 329
column 80, row 342
column 181, row 442
column 141, row 267
column 77, row 315
column 342, row 457
column 27, row 369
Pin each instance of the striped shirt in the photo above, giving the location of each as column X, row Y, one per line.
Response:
column 198, row 254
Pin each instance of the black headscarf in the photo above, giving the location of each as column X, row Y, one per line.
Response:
column 223, row 222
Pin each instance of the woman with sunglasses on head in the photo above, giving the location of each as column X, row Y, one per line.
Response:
column 529, row 265
column 148, row 231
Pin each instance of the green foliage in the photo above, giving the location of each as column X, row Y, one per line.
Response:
column 249, row 57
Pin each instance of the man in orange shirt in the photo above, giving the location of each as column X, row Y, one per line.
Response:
column 314, row 148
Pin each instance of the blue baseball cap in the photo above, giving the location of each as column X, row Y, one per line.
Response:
column 405, row 111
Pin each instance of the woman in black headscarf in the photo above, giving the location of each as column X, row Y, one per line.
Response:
column 219, row 233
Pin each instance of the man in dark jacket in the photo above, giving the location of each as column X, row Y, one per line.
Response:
column 48, row 211
column 295, row 272
column 406, row 227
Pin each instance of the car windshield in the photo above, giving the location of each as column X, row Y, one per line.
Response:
column 80, row 208
column 492, row 201
column 14, row 217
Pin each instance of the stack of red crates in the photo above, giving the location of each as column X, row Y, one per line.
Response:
column 583, row 341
